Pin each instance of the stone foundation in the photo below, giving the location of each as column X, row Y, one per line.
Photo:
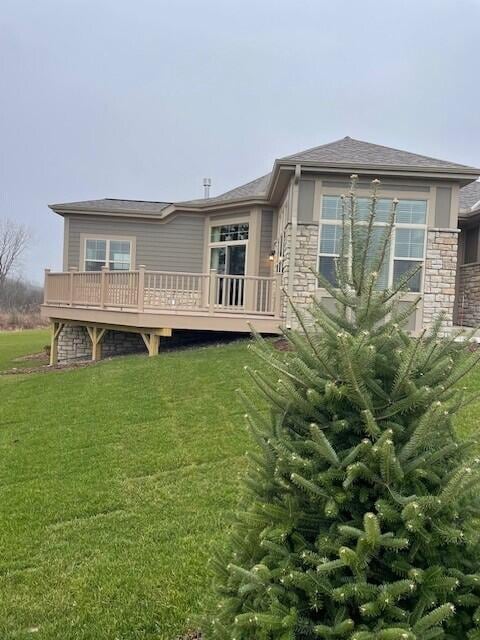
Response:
column 74, row 344
column 117, row 343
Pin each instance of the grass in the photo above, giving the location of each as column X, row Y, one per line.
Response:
column 115, row 482
column 15, row 344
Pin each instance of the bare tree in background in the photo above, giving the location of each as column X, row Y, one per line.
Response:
column 13, row 242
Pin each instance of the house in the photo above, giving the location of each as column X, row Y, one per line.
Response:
column 467, row 308
column 134, row 271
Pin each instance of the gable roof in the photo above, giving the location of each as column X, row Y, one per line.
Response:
column 350, row 152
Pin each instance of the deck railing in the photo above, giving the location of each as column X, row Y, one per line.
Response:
column 150, row 291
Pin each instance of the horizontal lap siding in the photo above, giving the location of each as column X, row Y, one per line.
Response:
column 175, row 245
column 266, row 244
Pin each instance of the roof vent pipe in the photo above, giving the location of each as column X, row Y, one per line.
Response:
column 207, row 183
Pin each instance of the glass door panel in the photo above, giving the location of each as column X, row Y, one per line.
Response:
column 218, row 259
column 229, row 260
column 236, row 267
column 236, row 260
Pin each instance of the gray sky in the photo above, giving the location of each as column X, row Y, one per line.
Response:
column 143, row 98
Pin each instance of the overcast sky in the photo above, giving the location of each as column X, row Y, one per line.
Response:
column 143, row 98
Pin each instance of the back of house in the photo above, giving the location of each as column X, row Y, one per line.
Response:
column 135, row 271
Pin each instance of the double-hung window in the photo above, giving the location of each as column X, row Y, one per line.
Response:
column 408, row 238
column 101, row 252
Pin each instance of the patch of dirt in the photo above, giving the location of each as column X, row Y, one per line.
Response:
column 282, row 345
column 191, row 635
column 32, row 356
column 46, row 368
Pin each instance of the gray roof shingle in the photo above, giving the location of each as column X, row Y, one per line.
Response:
column 469, row 197
column 257, row 187
column 349, row 151
column 115, row 205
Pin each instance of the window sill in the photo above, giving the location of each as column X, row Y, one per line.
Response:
column 407, row 295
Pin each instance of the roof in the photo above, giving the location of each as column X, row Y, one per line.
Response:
column 470, row 198
column 346, row 153
column 254, row 188
column 351, row 152
column 115, row 205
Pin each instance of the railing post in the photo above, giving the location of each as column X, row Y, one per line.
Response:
column 278, row 295
column 250, row 294
column 212, row 291
column 141, row 288
column 72, row 271
column 45, row 287
column 103, row 285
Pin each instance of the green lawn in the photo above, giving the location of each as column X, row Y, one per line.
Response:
column 14, row 344
column 115, row 482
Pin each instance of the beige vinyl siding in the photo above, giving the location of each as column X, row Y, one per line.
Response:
column 306, row 196
column 443, row 205
column 266, row 243
column 174, row 245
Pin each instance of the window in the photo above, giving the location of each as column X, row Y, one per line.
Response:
column 471, row 245
column 230, row 233
column 409, row 251
column 228, row 248
column 116, row 254
column 330, row 248
column 408, row 238
column 228, row 256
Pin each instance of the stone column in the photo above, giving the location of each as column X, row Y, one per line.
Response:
column 304, row 281
column 440, row 273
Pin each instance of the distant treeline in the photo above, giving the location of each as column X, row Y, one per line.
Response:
column 20, row 304
column 19, row 295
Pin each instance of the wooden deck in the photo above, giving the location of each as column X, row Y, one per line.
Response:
column 160, row 299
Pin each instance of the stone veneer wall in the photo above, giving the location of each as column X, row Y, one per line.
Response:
column 74, row 344
column 440, row 276
column 439, row 281
column 304, row 281
column 468, row 305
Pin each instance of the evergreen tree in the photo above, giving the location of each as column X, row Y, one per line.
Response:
column 357, row 517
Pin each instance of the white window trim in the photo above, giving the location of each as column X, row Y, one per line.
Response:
column 397, row 225
column 280, row 242
column 214, row 224
column 108, row 238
